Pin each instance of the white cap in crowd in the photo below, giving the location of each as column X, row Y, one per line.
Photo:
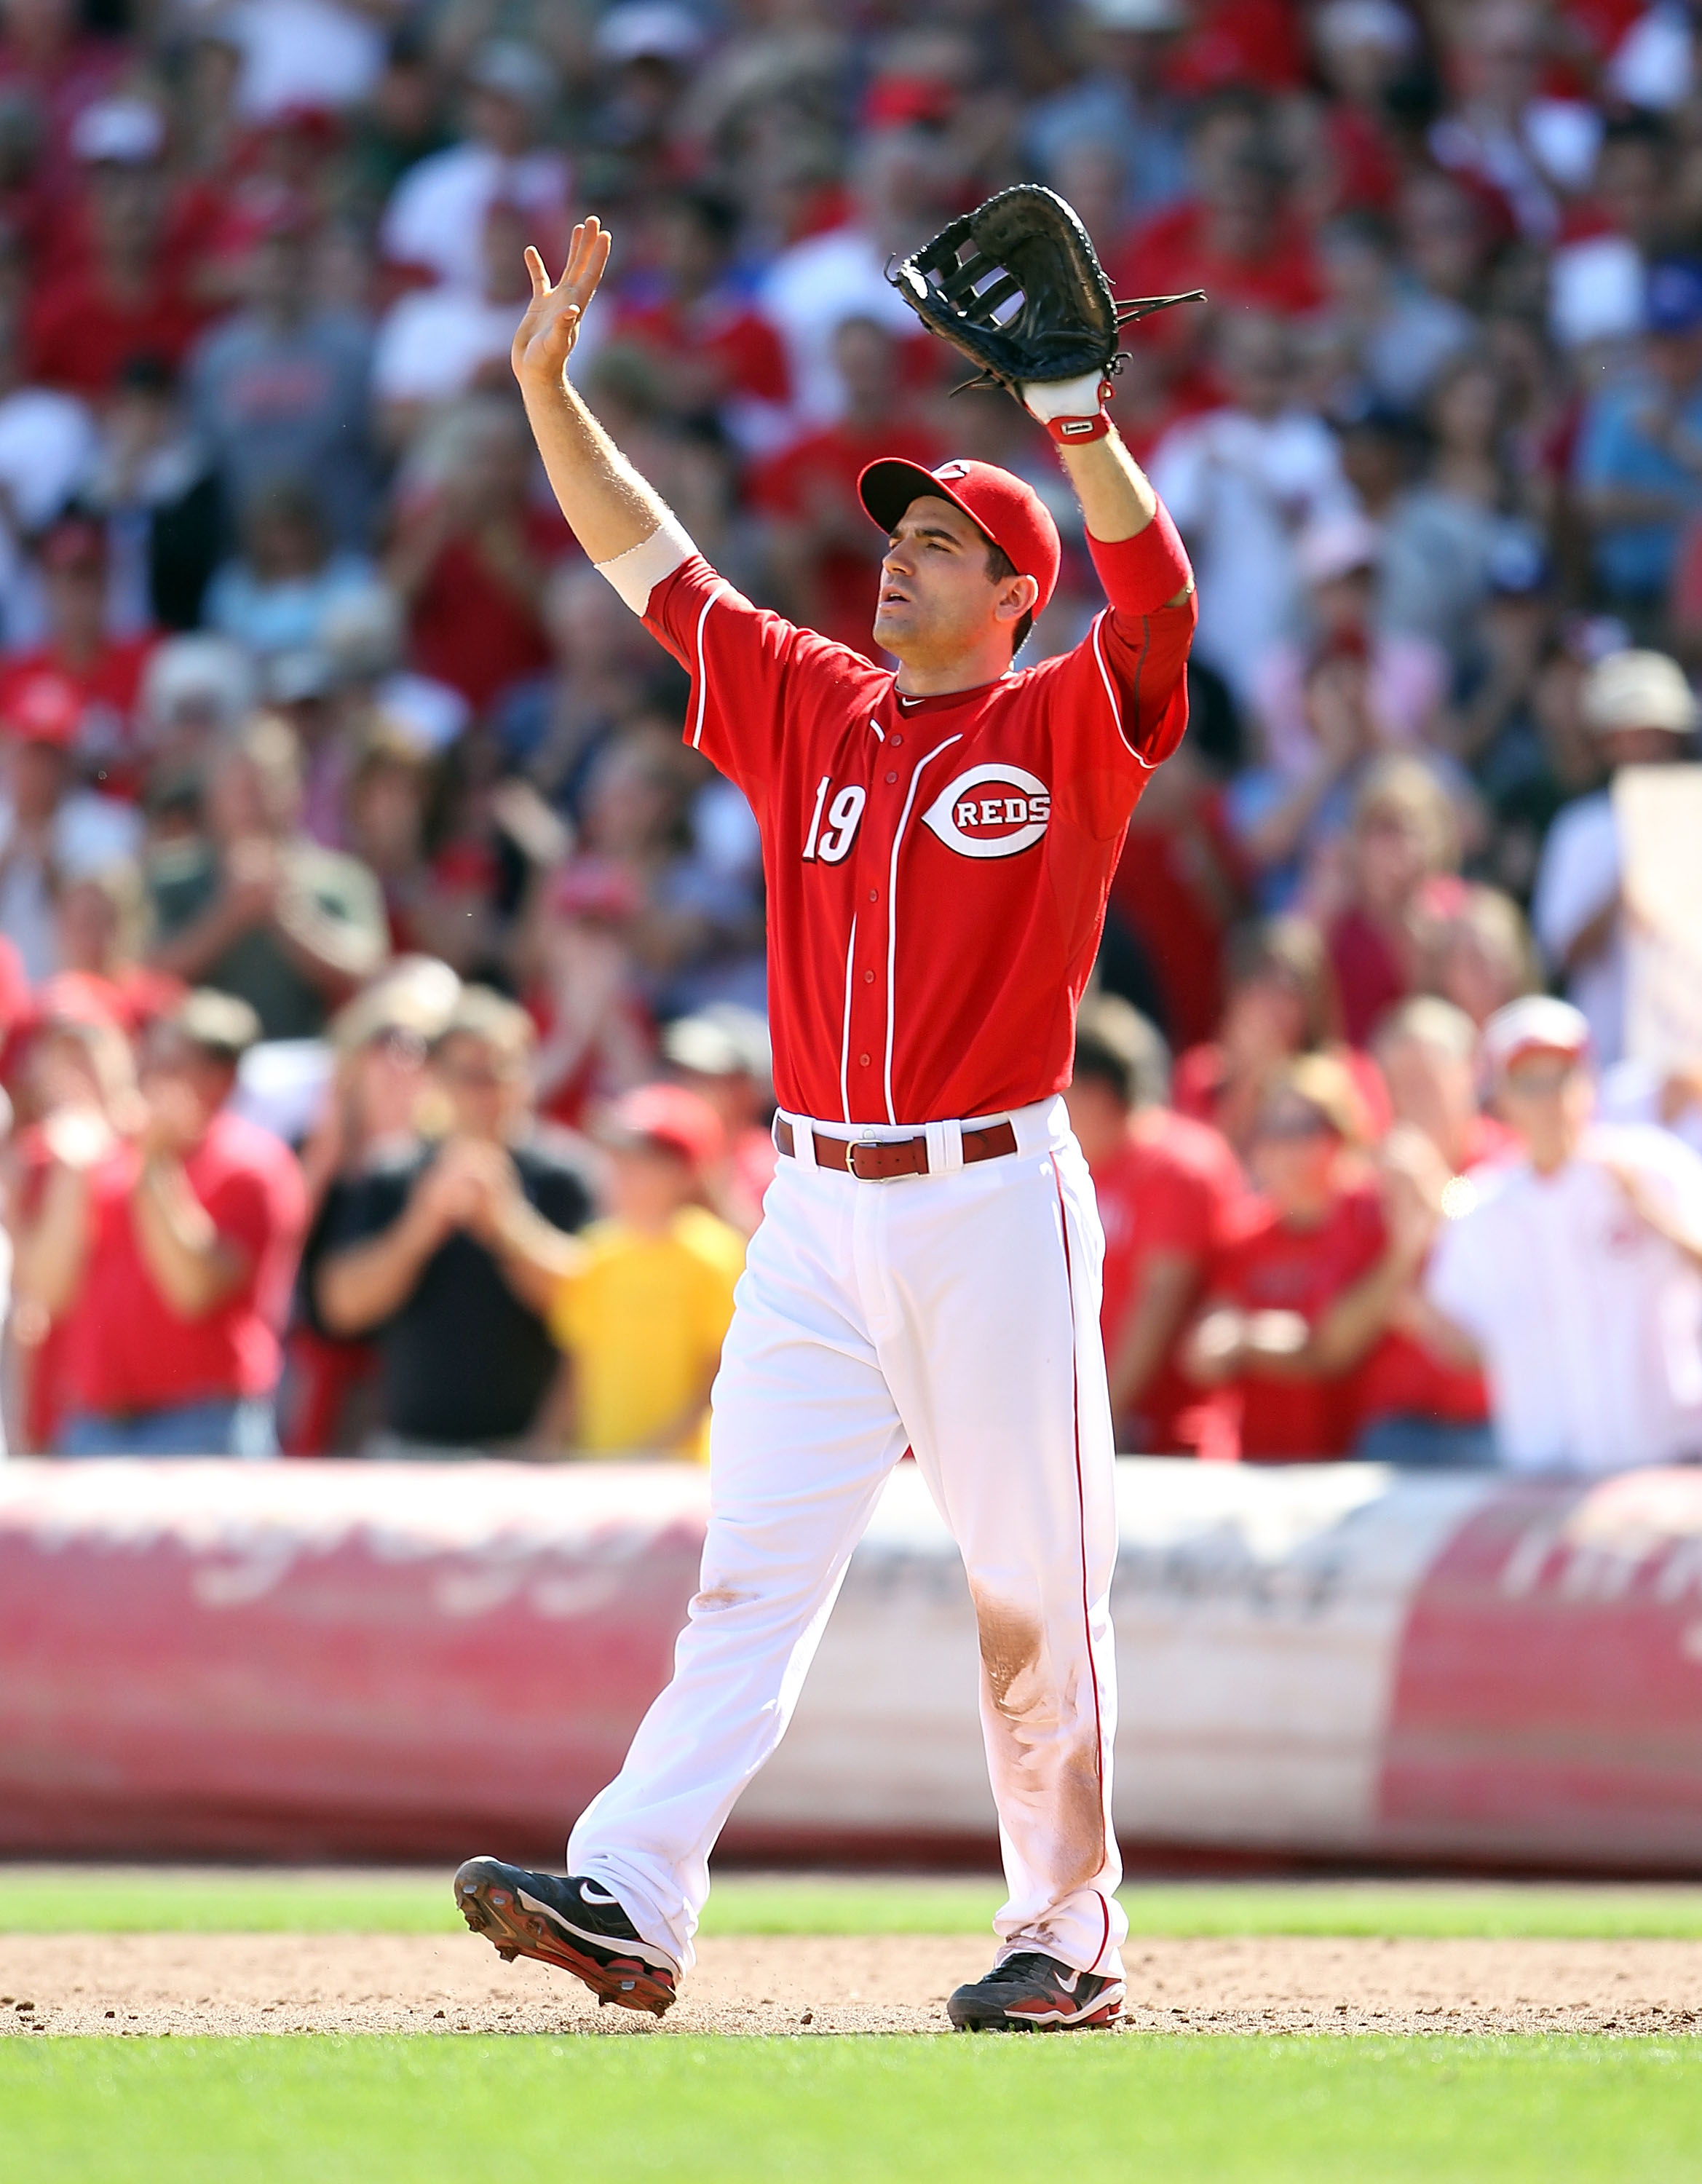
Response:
column 1638, row 690
column 1536, row 1023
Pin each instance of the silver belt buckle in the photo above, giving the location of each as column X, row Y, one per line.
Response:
column 856, row 1146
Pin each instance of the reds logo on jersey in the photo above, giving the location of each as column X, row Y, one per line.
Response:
column 994, row 810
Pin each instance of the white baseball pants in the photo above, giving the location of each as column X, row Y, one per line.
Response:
column 956, row 1313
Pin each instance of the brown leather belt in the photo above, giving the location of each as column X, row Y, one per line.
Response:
column 873, row 1160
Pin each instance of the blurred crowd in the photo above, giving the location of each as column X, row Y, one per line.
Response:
column 381, row 982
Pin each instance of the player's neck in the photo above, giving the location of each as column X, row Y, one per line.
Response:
column 966, row 671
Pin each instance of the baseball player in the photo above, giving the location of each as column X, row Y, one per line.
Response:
column 937, row 844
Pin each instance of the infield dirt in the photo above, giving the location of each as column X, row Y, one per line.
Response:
column 244, row 1983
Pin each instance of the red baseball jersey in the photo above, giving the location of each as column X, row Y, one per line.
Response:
column 937, row 868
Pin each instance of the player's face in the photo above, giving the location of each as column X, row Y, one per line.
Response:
column 937, row 601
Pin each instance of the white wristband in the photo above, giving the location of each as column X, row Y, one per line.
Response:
column 1046, row 399
column 636, row 573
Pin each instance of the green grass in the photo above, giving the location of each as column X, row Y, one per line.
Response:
column 882, row 2111
column 40, row 1899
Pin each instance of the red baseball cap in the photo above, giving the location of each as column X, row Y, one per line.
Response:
column 44, row 708
column 669, row 1115
column 1006, row 508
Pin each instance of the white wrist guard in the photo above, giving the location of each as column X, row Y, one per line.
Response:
column 1047, row 399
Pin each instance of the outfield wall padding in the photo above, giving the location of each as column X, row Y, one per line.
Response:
column 399, row 1660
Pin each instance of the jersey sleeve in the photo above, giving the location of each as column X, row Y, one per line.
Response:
column 749, row 668
column 1119, row 699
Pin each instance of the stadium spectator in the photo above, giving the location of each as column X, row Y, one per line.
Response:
column 74, row 1080
column 470, row 563
column 254, row 908
column 1403, row 839
column 279, row 595
column 1167, row 1191
column 1442, row 537
column 447, row 1255
column 1576, row 1273
column 1120, row 102
column 79, row 651
column 121, row 296
column 153, row 484
column 438, row 343
column 1315, row 1228
column 899, row 195
column 1481, row 954
column 824, row 555
column 722, row 1055
column 1639, row 451
column 52, row 832
column 1281, row 1003
column 1427, row 1049
column 379, row 1097
column 1415, row 1402
column 435, row 222
column 1241, row 481
column 721, row 357
column 1406, row 675
column 1643, row 711
column 170, row 1250
column 644, row 1298
column 281, row 391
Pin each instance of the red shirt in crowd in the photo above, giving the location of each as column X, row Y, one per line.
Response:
column 79, row 336
column 1171, row 254
column 1200, row 1085
column 825, row 467
column 1272, row 1268
column 937, row 868
column 748, row 354
column 105, row 691
column 1239, row 42
column 1172, row 1188
column 129, row 1351
column 1178, row 888
column 1402, row 1379
column 475, row 630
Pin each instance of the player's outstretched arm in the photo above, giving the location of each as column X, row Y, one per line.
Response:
column 1116, row 493
column 609, row 508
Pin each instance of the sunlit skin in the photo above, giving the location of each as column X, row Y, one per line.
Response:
column 1295, row 1163
column 1548, row 1100
column 648, row 1183
column 1098, row 1119
column 939, row 613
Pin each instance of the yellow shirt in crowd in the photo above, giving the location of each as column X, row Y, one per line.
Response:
column 643, row 1321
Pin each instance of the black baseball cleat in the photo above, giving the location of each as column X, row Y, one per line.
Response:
column 1031, row 1993
column 573, row 1924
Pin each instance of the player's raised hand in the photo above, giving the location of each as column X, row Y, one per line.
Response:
column 545, row 338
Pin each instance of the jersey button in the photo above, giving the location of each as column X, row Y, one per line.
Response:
column 868, row 978
column 891, row 778
column 897, row 742
column 874, row 895
column 862, row 1061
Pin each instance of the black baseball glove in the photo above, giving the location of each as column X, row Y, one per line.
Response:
column 1018, row 288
